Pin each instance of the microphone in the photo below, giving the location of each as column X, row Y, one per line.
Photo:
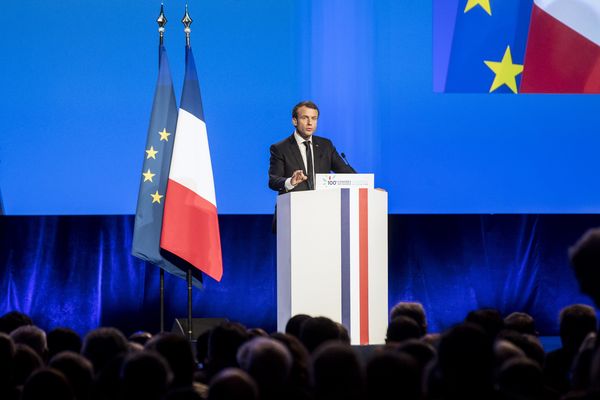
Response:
column 347, row 163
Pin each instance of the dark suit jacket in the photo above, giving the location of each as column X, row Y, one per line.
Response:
column 286, row 158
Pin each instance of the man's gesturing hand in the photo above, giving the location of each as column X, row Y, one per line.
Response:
column 298, row 177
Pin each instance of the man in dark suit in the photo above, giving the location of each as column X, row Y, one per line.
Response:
column 296, row 159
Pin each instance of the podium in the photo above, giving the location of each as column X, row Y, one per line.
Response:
column 332, row 259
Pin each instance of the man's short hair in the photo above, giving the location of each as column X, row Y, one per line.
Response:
column 403, row 328
column 33, row 337
column 520, row 322
column 307, row 104
column 576, row 322
column 12, row 320
column 410, row 309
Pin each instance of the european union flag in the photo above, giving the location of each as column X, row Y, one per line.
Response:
column 488, row 46
column 155, row 173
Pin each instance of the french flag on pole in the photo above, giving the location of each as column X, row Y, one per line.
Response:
column 563, row 47
column 190, row 227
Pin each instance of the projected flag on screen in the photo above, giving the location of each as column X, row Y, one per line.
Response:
column 190, row 223
column 563, row 49
column 509, row 46
column 155, row 173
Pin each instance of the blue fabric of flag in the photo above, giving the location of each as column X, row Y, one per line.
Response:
column 155, row 175
column 480, row 37
column 191, row 99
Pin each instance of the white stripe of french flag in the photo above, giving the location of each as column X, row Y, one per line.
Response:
column 563, row 47
column 190, row 228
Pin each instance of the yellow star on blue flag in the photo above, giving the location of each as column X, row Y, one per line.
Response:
column 479, row 38
column 485, row 4
column 506, row 72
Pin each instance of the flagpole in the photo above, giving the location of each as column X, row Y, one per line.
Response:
column 187, row 21
column 161, row 21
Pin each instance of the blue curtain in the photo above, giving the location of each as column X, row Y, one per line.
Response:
column 77, row 271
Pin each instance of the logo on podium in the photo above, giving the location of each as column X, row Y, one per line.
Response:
column 344, row 181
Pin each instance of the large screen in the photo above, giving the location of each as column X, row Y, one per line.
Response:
column 78, row 80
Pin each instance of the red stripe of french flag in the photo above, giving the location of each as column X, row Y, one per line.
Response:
column 563, row 48
column 363, row 232
column 190, row 224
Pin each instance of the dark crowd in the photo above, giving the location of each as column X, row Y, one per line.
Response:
column 486, row 356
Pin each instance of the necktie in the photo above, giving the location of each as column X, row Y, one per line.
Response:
column 309, row 162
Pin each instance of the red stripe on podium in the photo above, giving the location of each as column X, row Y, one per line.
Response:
column 363, row 226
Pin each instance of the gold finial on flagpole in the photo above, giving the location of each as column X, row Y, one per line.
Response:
column 187, row 21
column 161, row 21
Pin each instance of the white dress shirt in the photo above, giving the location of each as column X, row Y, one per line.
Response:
column 300, row 140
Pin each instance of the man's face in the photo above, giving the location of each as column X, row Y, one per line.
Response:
column 306, row 123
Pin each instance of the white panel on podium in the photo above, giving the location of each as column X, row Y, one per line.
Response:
column 332, row 259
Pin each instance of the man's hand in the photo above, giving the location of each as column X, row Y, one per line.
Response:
column 298, row 177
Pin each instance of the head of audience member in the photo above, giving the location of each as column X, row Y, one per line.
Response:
column 391, row 375
column 584, row 256
column 318, row 330
column 520, row 322
column 423, row 353
column 255, row 332
column 233, row 384
column 269, row 362
column 63, row 339
column 529, row 344
column 101, row 345
column 223, row 343
column 26, row 361
column 300, row 360
column 134, row 347
column 432, row 339
column 177, row 351
column 141, row 337
column 505, row 350
column 488, row 318
column 144, row 376
column 7, row 354
column 294, row 324
column 32, row 336
column 576, row 322
column 47, row 383
column 337, row 373
column 77, row 369
column 12, row 320
column 465, row 359
column 521, row 378
column 401, row 329
column 413, row 310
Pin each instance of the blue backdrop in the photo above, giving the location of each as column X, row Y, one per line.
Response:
column 78, row 271
column 77, row 80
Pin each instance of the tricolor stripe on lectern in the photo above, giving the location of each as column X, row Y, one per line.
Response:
column 563, row 47
column 190, row 224
column 355, row 263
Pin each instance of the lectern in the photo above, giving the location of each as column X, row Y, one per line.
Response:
column 332, row 259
